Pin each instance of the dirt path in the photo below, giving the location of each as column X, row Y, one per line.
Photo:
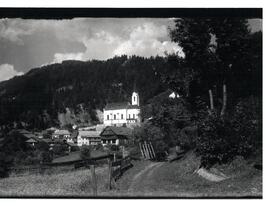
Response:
column 143, row 175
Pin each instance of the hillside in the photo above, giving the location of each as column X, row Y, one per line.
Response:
column 75, row 91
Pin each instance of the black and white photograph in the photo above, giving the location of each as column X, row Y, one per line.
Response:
column 131, row 103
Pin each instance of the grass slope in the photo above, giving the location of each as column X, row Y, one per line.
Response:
column 75, row 183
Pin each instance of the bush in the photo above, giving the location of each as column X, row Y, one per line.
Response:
column 46, row 157
column 43, row 146
column 60, row 149
column 215, row 142
column 85, row 152
column 5, row 163
column 114, row 148
column 220, row 139
column 99, row 146
column 187, row 138
column 154, row 134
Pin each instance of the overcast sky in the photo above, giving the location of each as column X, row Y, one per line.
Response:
column 25, row 44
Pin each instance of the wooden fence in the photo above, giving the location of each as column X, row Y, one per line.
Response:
column 147, row 150
column 116, row 168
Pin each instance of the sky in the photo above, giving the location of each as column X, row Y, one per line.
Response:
column 26, row 44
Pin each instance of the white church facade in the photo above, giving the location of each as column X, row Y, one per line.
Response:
column 123, row 113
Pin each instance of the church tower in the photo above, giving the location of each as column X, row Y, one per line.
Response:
column 135, row 99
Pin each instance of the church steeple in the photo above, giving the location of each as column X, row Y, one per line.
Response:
column 135, row 99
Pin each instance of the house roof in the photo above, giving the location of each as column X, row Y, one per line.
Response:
column 89, row 134
column 31, row 141
column 98, row 127
column 27, row 134
column 47, row 140
column 51, row 129
column 119, row 131
column 61, row 132
column 116, row 105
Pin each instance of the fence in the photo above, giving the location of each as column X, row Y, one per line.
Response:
column 115, row 168
column 147, row 150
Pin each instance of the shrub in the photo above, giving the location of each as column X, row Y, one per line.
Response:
column 5, row 163
column 46, row 157
column 85, row 152
column 187, row 138
column 220, row 139
column 43, row 146
column 114, row 148
column 99, row 146
column 215, row 142
column 60, row 149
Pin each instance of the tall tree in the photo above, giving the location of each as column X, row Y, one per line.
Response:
column 215, row 49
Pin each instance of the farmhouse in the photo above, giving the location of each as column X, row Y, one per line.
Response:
column 115, row 135
column 31, row 142
column 88, row 138
column 123, row 113
column 61, row 134
column 73, row 137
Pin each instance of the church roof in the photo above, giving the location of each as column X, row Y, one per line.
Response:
column 133, row 107
column 117, row 105
column 120, row 105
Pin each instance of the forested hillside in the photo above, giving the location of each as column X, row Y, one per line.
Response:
column 35, row 99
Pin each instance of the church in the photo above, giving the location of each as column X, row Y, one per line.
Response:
column 123, row 113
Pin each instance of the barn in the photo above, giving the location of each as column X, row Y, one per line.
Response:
column 116, row 135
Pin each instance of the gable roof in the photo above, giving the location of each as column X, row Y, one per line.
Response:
column 133, row 107
column 31, row 141
column 116, row 105
column 119, row 131
column 89, row 134
column 61, row 132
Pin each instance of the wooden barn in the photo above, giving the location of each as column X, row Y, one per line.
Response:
column 115, row 135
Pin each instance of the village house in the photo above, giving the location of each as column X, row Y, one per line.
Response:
column 61, row 134
column 73, row 137
column 116, row 135
column 88, row 138
column 123, row 113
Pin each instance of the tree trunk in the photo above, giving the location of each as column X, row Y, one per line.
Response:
column 211, row 99
column 224, row 103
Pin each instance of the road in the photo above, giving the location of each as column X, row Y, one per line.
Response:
column 143, row 176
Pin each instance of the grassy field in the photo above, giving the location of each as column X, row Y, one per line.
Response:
column 73, row 156
column 75, row 183
column 144, row 179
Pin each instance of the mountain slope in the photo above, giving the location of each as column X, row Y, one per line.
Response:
column 36, row 99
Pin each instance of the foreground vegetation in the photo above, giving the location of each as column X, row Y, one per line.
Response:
column 144, row 179
column 71, row 183
column 178, row 179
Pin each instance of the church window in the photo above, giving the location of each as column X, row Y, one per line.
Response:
column 114, row 116
column 122, row 116
column 108, row 117
column 133, row 116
